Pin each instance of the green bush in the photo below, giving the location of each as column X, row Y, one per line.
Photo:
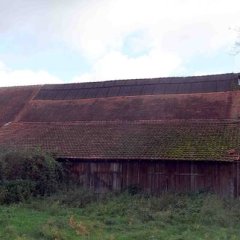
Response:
column 16, row 191
column 28, row 173
column 133, row 189
column 76, row 197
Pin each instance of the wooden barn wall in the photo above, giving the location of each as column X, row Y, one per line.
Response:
column 159, row 176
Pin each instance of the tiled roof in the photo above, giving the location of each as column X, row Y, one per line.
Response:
column 151, row 107
column 186, row 140
column 13, row 100
column 163, row 118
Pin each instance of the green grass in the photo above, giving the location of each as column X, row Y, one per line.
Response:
column 76, row 216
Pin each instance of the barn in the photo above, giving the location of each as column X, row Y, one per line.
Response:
column 176, row 134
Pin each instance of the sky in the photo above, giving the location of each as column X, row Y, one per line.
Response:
column 63, row 41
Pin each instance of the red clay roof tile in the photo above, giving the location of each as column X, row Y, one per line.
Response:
column 13, row 100
column 149, row 124
column 186, row 140
column 174, row 106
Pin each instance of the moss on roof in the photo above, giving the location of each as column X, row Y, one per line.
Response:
column 130, row 140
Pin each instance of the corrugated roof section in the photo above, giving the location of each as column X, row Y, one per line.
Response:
column 155, row 86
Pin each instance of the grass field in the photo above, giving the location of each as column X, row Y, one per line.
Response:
column 78, row 216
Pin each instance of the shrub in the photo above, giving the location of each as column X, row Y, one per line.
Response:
column 16, row 191
column 75, row 197
column 28, row 173
column 133, row 189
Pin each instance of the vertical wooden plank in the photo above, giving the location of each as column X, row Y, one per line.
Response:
column 115, row 169
column 92, row 168
column 139, row 182
column 157, row 176
column 192, row 176
column 149, row 175
column 171, row 175
column 143, row 175
column 124, row 174
column 200, row 178
column 237, row 179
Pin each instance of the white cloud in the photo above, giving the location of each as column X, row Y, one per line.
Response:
column 116, row 65
column 96, row 27
column 9, row 77
column 3, row 67
column 172, row 32
column 102, row 26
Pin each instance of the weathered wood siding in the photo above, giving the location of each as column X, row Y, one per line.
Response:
column 159, row 176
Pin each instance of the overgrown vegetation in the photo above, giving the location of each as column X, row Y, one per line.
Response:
column 34, row 208
column 122, row 217
column 24, row 174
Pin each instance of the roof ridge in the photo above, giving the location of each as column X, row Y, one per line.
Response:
column 197, row 121
column 25, row 107
column 135, row 87
column 146, row 78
